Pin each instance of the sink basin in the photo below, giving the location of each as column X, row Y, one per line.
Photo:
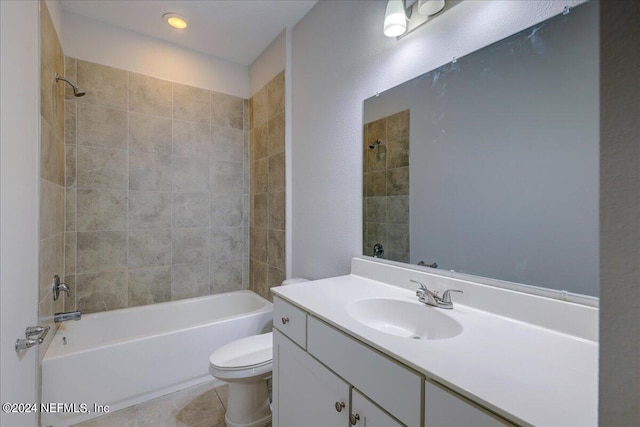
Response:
column 404, row 319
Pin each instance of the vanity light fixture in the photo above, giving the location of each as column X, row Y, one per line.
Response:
column 395, row 19
column 404, row 16
column 174, row 20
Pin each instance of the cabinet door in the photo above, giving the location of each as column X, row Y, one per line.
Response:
column 305, row 393
column 443, row 408
column 365, row 414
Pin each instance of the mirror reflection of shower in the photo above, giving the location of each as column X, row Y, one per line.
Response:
column 373, row 145
column 77, row 92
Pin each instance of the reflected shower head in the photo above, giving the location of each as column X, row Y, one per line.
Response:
column 374, row 143
column 76, row 90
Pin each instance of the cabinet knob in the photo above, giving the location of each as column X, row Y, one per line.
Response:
column 353, row 419
column 339, row 406
column 285, row 320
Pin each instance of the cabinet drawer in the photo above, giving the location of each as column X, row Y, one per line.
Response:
column 445, row 408
column 392, row 386
column 291, row 321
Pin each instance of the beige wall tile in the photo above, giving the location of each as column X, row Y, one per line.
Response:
column 52, row 203
column 70, row 210
column 398, row 181
column 275, row 142
column 259, row 140
column 260, row 107
column 227, row 144
column 149, row 209
column 376, row 131
column 51, row 155
column 259, row 176
column 375, row 209
column 398, row 238
column 189, row 280
column 227, row 110
column 374, row 233
column 276, row 277
column 149, row 247
column 376, row 158
column 190, row 246
column 259, row 275
column 190, row 210
column 226, row 243
column 189, row 174
column 51, row 63
column 398, row 153
column 100, row 251
column 149, row 133
column 70, row 122
column 398, row 209
column 99, row 168
column 398, row 125
column 149, row 95
column 276, row 249
column 101, row 210
column 191, row 140
column 191, row 104
column 258, row 244
column 276, row 173
column 70, row 242
column 70, row 302
column 149, row 171
column 226, row 177
column 277, row 210
column 226, row 210
column 106, row 86
column 275, row 95
column 101, row 291
column 70, row 166
column 101, row 127
column 149, row 285
column 375, row 184
column 259, row 210
column 226, row 276
column 51, row 262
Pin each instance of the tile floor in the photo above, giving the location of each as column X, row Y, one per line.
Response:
column 199, row 406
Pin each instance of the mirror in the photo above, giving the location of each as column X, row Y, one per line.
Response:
column 489, row 165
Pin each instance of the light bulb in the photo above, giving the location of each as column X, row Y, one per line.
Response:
column 395, row 19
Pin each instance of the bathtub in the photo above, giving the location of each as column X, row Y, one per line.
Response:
column 124, row 357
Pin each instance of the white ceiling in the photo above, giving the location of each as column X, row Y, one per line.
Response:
column 235, row 30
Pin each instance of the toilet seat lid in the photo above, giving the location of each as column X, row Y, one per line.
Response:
column 246, row 352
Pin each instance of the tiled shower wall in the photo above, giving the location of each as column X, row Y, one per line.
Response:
column 267, row 235
column 51, row 172
column 386, row 186
column 157, row 190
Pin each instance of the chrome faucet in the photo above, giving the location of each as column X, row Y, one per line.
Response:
column 69, row 315
column 433, row 299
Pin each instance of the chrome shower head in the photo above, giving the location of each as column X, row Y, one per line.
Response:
column 77, row 92
column 374, row 143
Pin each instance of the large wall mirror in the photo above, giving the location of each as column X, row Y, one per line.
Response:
column 488, row 165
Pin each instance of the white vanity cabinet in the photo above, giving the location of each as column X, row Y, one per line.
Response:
column 305, row 393
column 324, row 377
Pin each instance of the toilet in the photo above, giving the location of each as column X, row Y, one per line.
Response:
column 246, row 364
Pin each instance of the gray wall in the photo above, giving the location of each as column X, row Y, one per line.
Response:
column 157, row 190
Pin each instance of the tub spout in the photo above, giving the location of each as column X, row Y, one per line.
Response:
column 69, row 315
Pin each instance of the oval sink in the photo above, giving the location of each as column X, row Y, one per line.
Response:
column 404, row 319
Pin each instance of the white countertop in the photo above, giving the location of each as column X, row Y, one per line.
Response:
column 526, row 373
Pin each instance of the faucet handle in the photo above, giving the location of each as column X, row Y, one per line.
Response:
column 422, row 286
column 446, row 296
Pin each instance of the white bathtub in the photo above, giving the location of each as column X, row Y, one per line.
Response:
column 123, row 357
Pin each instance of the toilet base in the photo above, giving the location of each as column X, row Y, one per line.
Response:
column 248, row 405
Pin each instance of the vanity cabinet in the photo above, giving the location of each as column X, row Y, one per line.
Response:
column 323, row 377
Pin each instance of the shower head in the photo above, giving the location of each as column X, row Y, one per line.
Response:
column 77, row 92
column 374, row 143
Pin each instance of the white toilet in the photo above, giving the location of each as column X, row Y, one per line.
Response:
column 246, row 365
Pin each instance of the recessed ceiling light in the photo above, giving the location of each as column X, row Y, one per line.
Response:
column 175, row 20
